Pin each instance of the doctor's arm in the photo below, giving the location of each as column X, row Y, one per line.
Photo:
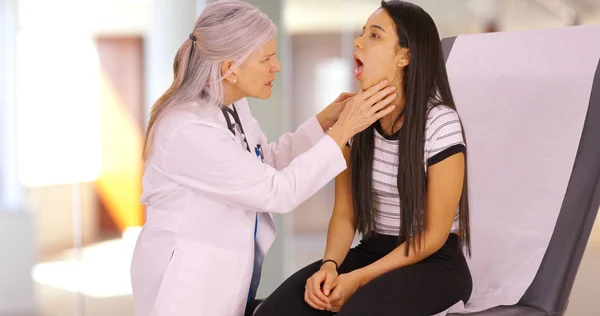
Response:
column 207, row 160
column 280, row 153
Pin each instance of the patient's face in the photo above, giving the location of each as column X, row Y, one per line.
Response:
column 376, row 51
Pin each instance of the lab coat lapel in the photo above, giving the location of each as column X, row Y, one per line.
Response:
column 265, row 236
column 266, row 231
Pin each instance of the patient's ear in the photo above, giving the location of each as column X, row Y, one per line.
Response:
column 402, row 58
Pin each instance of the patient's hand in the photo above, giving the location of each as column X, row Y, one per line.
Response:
column 318, row 287
column 344, row 287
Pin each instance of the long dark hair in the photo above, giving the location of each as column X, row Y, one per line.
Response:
column 425, row 86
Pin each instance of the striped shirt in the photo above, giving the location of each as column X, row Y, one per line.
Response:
column 443, row 138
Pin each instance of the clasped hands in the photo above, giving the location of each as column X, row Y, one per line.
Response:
column 326, row 290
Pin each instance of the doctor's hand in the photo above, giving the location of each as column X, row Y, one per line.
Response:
column 318, row 287
column 362, row 110
column 330, row 114
column 344, row 287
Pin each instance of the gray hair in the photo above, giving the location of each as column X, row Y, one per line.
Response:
column 226, row 30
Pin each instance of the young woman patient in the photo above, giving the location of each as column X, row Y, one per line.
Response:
column 405, row 191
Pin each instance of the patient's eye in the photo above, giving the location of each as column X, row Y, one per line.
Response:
column 373, row 35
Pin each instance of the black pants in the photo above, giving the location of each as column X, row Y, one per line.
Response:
column 424, row 288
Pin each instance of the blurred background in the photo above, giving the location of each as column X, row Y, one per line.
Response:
column 77, row 79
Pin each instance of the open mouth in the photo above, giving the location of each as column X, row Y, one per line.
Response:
column 358, row 71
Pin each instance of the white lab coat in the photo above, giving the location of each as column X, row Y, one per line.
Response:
column 196, row 253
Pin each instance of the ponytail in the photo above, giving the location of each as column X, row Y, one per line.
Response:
column 180, row 68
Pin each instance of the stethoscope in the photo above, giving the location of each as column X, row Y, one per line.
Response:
column 226, row 111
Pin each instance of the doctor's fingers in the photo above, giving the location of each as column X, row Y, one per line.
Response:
column 382, row 106
column 372, row 90
column 380, row 95
column 345, row 96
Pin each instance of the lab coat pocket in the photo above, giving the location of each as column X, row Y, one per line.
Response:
column 167, row 290
column 208, row 280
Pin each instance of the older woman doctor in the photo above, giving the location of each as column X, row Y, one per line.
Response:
column 212, row 180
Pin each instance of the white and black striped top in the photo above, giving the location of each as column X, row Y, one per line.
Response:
column 443, row 138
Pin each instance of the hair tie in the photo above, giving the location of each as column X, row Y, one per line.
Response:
column 192, row 37
column 330, row 260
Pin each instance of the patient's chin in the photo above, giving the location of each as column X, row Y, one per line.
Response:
column 366, row 84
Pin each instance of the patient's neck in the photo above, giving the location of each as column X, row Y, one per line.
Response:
column 387, row 122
